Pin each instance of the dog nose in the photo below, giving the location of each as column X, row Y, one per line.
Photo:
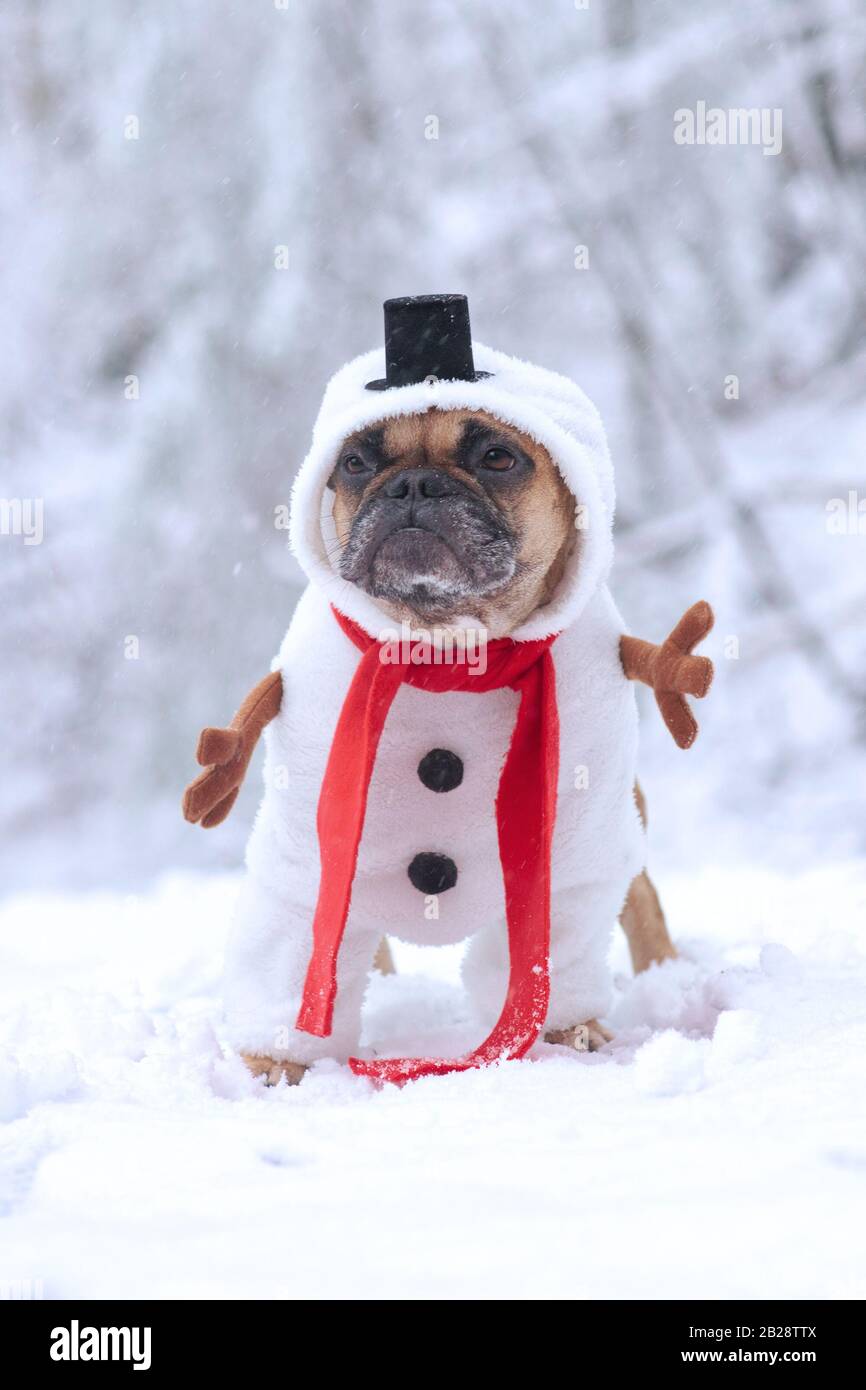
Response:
column 411, row 484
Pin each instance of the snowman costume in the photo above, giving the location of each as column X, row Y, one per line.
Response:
column 443, row 825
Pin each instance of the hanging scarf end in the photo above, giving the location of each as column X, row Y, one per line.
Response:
column 398, row 1070
column 316, row 1014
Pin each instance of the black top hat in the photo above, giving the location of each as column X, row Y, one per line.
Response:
column 427, row 335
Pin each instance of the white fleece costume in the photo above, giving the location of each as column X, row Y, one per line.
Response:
column 598, row 839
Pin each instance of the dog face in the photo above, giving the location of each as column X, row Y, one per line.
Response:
column 451, row 514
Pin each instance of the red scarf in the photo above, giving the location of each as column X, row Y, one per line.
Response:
column 525, row 814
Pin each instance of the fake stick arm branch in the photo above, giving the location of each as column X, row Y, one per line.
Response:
column 672, row 672
column 225, row 755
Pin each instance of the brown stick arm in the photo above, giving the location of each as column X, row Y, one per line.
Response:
column 225, row 755
column 672, row 671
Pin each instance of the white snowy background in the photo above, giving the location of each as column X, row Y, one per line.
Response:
column 718, row 1147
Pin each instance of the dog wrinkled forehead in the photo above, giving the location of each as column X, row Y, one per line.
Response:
column 434, row 435
column 541, row 403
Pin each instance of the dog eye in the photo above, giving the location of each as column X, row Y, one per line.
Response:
column 353, row 463
column 498, row 459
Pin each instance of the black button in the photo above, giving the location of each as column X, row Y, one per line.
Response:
column 440, row 770
column 432, row 873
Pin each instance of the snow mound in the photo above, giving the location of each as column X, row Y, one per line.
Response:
column 716, row 1148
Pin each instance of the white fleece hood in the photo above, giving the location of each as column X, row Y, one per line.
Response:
column 548, row 407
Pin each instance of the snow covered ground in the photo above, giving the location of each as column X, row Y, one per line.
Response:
column 717, row 1149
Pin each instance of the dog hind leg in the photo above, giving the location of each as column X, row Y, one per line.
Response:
column 642, row 918
column 644, row 924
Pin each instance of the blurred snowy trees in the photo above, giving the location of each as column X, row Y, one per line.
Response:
column 203, row 206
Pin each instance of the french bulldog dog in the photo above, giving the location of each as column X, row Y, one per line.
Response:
column 446, row 518
column 450, row 515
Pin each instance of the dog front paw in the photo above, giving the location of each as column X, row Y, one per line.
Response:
column 581, row 1037
column 271, row 1071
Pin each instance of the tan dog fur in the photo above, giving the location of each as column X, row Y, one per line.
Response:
column 541, row 513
